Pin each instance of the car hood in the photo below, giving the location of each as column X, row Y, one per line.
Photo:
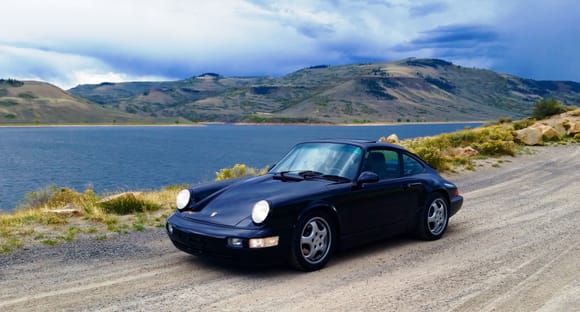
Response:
column 233, row 204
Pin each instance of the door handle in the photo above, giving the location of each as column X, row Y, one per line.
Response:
column 410, row 186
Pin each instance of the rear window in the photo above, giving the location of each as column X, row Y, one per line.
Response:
column 411, row 165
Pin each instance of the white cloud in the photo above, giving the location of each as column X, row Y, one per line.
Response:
column 61, row 69
column 72, row 42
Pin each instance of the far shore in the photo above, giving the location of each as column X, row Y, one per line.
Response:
column 202, row 124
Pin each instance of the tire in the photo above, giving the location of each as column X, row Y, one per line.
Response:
column 313, row 241
column 433, row 218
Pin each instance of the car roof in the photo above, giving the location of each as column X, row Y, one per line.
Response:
column 365, row 144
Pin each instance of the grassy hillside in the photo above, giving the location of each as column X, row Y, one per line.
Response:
column 406, row 90
column 38, row 102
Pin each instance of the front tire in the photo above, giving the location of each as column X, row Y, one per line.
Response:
column 433, row 218
column 313, row 241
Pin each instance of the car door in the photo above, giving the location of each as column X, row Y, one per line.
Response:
column 384, row 203
column 413, row 183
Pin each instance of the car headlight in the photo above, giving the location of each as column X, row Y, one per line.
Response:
column 260, row 211
column 182, row 199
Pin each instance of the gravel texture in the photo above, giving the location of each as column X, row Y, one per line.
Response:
column 514, row 246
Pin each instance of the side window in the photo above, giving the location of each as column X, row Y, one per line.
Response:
column 411, row 166
column 384, row 163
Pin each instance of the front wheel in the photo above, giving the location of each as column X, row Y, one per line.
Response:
column 312, row 242
column 433, row 218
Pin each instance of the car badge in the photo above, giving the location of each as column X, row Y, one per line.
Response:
column 213, row 214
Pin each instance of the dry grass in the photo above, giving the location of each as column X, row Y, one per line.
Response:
column 448, row 151
column 55, row 215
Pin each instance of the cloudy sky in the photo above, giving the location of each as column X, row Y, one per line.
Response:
column 71, row 42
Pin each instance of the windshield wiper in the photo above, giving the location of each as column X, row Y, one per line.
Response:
column 283, row 175
column 315, row 174
column 335, row 178
column 309, row 173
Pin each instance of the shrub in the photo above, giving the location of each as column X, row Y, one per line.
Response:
column 441, row 151
column 65, row 196
column 434, row 157
column 127, row 204
column 238, row 171
column 546, row 108
column 524, row 123
column 496, row 148
column 40, row 197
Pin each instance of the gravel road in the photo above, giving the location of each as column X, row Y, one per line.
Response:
column 515, row 246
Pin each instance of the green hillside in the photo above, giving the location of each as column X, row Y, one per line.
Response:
column 39, row 102
column 406, row 90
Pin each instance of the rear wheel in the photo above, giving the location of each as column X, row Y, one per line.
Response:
column 312, row 242
column 433, row 218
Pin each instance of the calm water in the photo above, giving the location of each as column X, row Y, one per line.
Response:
column 140, row 158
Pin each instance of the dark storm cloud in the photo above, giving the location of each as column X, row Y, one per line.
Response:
column 470, row 45
column 455, row 36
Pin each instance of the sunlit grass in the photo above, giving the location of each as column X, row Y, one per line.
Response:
column 54, row 215
column 447, row 151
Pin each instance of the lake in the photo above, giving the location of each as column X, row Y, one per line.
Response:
column 119, row 158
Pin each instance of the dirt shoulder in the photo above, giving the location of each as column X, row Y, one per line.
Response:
column 513, row 247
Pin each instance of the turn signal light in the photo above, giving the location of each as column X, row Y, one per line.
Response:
column 264, row 242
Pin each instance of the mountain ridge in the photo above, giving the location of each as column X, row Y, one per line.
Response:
column 41, row 102
column 405, row 90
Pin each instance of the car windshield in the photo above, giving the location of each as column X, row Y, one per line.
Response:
column 331, row 159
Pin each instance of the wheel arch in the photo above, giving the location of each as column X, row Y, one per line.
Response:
column 445, row 194
column 324, row 207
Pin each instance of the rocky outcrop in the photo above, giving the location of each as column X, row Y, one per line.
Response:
column 550, row 129
column 529, row 136
column 117, row 196
column 465, row 152
column 574, row 129
column 69, row 210
column 393, row 138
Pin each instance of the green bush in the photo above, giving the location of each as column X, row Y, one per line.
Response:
column 238, row 171
column 128, row 204
column 8, row 103
column 434, row 157
column 39, row 198
column 524, row 123
column 443, row 151
column 496, row 148
column 546, row 108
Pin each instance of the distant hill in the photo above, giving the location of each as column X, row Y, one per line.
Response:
column 406, row 90
column 39, row 102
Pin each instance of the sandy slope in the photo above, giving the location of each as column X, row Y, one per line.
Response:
column 513, row 247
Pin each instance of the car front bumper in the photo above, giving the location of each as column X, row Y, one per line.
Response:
column 211, row 240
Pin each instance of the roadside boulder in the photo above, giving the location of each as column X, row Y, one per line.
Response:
column 558, row 125
column 393, row 138
column 548, row 132
column 117, row 196
column 466, row 152
column 574, row 128
column 69, row 210
column 529, row 136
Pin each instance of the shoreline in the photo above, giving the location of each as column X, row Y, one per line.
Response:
column 209, row 123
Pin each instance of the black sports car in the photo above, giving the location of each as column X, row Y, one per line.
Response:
column 322, row 195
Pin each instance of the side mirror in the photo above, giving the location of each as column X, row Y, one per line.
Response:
column 367, row 177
